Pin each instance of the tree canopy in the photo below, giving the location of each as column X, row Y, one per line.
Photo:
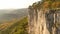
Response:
column 46, row 4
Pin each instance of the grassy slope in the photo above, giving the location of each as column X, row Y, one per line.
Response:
column 17, row 28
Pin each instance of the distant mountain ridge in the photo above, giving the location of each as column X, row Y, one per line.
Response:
column 13, row 14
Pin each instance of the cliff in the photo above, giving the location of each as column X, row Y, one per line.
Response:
column 44, row 21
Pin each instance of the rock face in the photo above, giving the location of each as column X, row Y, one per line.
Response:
column 44, row 21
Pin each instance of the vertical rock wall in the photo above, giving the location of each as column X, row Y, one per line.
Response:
column 44, row 21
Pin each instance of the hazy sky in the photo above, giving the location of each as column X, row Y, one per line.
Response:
column 14, row 4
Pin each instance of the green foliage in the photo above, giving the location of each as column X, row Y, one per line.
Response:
column 20, row 27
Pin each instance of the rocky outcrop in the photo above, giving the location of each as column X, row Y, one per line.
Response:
column 44, row 21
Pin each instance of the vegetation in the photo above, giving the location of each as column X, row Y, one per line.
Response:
column 20, row 27
column 46, row 4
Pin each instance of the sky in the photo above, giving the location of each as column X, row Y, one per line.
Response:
column 16, row 4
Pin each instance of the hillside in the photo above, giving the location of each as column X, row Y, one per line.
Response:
column 19, row 27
